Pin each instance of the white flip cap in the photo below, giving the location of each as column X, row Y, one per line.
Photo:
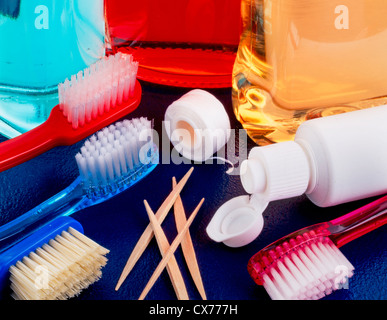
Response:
column 197, row 125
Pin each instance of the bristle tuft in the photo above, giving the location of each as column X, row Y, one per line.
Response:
column 94, row 91
column 60, row 269
column 307, row 267
column 115, row 156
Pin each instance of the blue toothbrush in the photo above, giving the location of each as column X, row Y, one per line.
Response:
column 56, row 262
column 109, row 162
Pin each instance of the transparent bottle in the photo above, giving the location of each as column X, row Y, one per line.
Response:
column 184, row 43
column 303, row 59
column 42, row 42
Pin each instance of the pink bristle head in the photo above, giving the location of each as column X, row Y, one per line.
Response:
column 303, row 265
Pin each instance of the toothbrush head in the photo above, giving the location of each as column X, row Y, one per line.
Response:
column 116, row 157
column 91, row 100
column 96, row 90
column 305, row 265
column 56, row 262
column 110, row 162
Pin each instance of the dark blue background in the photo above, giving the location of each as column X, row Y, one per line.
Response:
column 118, row 223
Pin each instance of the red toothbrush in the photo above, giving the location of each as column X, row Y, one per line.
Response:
column 88, row 102
column 307, row 264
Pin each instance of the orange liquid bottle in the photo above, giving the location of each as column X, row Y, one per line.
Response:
column 302, row 59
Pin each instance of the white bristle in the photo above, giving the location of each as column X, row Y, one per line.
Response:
column 99, row 135
column 102, row 169
column 58, row 270
column 121, row 155
column 111, row 155
column 128, row 155
column 92, row 169
column 94, row 91
column 109, row 166
column 116, row 162
column 311, row 270
column 82, row 165
column 93, row 139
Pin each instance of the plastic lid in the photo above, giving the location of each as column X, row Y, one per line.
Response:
column 238, row 221
column 197, row 125
column 277, row 171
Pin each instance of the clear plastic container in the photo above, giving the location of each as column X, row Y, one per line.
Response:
column 180, row 43
column 299, row 60
column 42, row 43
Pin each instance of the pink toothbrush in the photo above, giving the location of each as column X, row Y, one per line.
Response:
column 88, row 102
column 307, row 264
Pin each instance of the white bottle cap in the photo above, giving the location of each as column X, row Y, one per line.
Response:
column 277, row 171
column 270, row 173
column 197, row 125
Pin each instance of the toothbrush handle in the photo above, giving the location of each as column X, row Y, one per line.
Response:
column 27, row 145
column 57, row 130
column 358, row 231
column 64, row 203
column 359, row 222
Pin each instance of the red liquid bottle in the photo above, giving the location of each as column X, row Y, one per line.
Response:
column 185, row 43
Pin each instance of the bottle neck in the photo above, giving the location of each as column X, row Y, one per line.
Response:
column 277, row 171
column 313, row 177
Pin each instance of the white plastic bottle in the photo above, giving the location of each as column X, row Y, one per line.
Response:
column 333, row 160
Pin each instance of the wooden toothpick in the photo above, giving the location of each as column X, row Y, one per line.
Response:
column 170, row 251
column 187, row 245
column 147, row 235
column 172, row 266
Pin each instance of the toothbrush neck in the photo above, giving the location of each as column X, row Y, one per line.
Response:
column 63, row 203
column 359, row 222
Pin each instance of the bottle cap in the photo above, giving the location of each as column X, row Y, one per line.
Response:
column 270, row 173
column 197, row 124
column 277, row 171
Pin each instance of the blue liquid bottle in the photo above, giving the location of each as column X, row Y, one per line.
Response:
column 42, row 42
